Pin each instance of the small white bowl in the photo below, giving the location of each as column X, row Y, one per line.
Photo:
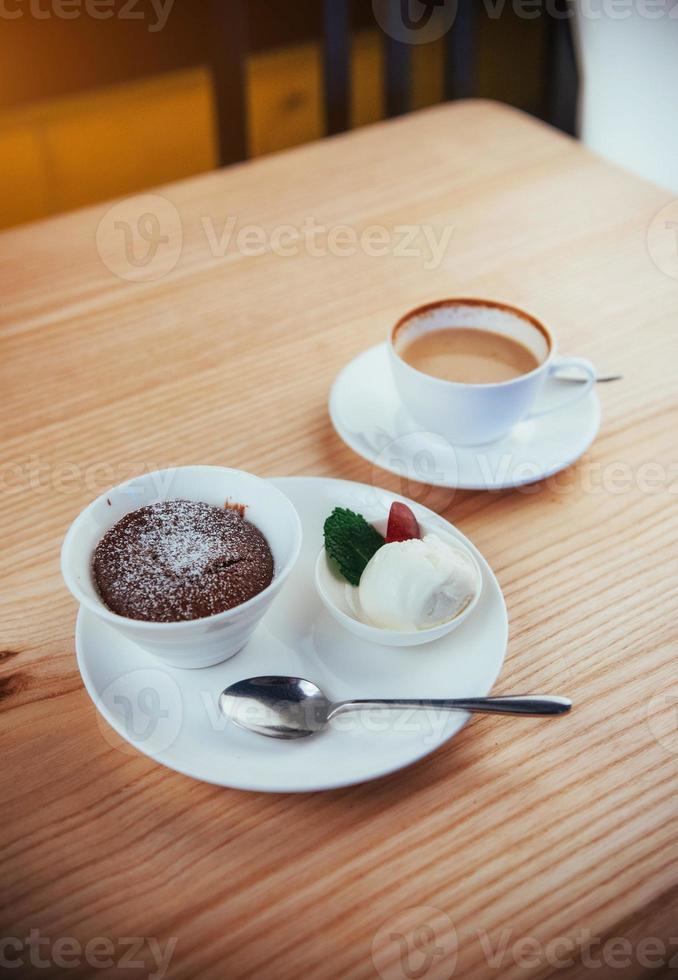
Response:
column 194, row 642
column 338, row 596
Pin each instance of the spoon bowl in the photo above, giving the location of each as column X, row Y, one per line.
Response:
column 281, row 707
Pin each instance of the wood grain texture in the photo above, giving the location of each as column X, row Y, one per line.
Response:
column 516, row 828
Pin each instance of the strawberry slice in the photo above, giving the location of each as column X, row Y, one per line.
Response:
column 402, row 524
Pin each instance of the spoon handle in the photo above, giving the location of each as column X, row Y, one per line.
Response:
column 519, row 704
column 600, row 380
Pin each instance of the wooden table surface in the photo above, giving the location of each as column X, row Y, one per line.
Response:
column 522, row 832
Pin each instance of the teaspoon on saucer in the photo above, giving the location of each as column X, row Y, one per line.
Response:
column 600, row 380
column 292, row 707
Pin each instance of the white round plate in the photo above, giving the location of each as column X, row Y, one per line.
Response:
column 367, row 414
column 171, row 714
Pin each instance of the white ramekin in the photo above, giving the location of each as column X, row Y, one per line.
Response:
column 336, row 595
column 196, row 642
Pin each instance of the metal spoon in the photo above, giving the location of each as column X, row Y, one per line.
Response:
column 291, row 707
column 601, row 380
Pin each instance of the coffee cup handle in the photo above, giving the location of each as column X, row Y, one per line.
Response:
column 582, row 387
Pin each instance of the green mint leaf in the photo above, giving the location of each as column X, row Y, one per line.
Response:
column 350, row 541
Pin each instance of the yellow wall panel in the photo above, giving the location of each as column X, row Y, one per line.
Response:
column 70, row 152
column 110, row 146
column 109, row 142
column 284, row 98
column 23, row 175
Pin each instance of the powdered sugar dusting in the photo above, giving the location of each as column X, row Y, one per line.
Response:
column 181, row 540
column 180, row 559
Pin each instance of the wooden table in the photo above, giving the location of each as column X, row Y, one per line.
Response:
column 516, row 830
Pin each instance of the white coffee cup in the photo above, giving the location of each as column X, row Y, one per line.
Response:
column 474, row 414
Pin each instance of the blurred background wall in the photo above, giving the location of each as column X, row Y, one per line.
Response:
column 629, row 96
column 102, row 98
column 94, row 104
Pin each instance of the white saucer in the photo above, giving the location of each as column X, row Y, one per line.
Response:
column 171, row 714
column 367, row 414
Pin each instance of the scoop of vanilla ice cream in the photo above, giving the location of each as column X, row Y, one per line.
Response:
column 416, row 584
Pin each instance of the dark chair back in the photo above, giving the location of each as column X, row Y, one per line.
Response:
column 459, row 65
column 228, row 58
column 230, row 46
